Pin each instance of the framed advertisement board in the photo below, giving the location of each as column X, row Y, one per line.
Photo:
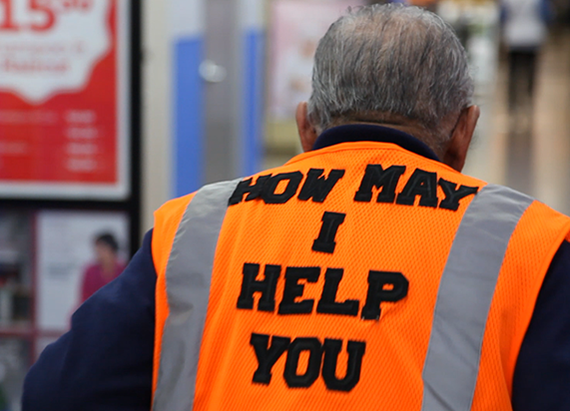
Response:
column 71, row 269
column 65, row 93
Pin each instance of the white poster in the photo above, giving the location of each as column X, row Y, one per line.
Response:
column 296, row 28
column 77, row 254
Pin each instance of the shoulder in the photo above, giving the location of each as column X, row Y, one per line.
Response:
column 166, row 221
column 171, row 211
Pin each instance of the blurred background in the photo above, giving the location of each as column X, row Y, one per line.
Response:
column 108, row 108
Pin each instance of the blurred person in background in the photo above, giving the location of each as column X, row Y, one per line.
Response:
column 525, row 30
column 366, row 273
column 106, row 268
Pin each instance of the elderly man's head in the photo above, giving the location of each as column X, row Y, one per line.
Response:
column 392, row 65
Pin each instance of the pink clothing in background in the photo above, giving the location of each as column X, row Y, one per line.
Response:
column 94, row 278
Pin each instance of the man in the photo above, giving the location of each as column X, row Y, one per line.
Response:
column 366, row 273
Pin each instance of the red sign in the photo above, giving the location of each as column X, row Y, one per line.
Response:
column 63, row 98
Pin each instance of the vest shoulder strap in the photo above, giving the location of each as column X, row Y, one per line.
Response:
column 464, row 298
column 187, row 287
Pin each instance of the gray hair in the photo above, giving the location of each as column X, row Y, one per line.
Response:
column 391, row 64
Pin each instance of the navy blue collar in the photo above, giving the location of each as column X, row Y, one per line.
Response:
column 364, row 132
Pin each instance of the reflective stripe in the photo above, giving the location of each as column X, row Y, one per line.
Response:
column 464, row 298
column 188, row 276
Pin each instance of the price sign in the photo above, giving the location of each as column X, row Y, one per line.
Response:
column 63, row 98
column 48, row 9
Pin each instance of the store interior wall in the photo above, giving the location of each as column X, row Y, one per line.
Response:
column 223, row 109
column 221, row 98
column 156, row 146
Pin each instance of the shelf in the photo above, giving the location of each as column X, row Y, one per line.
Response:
column 16, row 330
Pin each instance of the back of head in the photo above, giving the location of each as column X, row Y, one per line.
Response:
column 391, row 64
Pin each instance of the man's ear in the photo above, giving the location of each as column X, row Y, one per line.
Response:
column 307, row 132
column 456, row 150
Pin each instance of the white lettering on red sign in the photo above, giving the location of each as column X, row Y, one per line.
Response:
column 51, row 46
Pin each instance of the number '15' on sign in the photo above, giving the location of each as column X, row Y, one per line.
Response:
column 37, row 15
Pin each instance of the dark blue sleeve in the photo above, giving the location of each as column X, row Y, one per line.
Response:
column 542, row 375
column 105, row 361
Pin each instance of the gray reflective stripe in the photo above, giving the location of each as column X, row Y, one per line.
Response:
column 464, row 298
column 188, row 276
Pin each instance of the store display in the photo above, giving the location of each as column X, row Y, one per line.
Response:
column 297, row 26
column 64, row 111
column 45, row 259
column 477, row 25
column 69, row 138
column 68, row 269
column 295, row 29
column 14, row 363
column 15, row 269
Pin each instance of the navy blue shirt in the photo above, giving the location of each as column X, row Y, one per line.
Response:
column 105, row 361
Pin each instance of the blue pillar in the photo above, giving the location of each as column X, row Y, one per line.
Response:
column 187, row 43
column 252, row 26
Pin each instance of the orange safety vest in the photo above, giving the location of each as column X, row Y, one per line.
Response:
column 359, row 276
